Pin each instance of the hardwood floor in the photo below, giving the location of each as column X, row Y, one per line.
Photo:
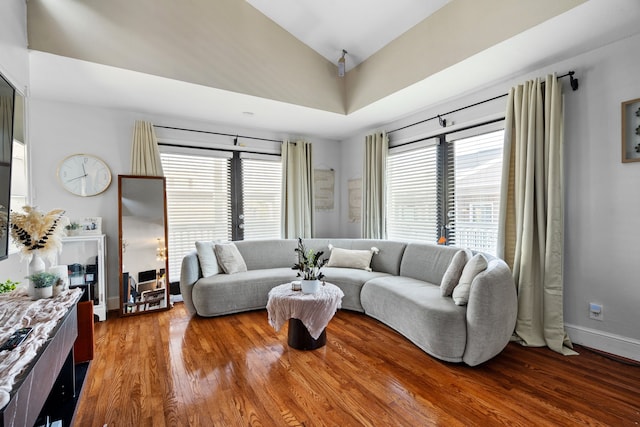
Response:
column 168, row 369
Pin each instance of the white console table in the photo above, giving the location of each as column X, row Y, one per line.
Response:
column 84, row 250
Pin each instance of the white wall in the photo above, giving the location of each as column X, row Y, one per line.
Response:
column 602, row 233
column 352, row 161
column 602, row 203
column 14, row 59
column 326, row 155
column 59, row 129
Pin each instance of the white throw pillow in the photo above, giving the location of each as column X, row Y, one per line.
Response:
column 475, row 266
column 351, row 258
column 207, row 257
column 230, row 259
column 454, row 271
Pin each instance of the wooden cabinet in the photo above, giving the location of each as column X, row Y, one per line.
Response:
column 85, row 257
column 48, row 370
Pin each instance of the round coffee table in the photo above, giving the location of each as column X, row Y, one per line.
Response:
column 308, row 314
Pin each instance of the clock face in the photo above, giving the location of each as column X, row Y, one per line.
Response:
column 84, row 175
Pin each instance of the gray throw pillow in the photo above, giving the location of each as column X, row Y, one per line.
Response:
column 475, row 266
column 229, row 258
column 454, row 271
column 207, row 258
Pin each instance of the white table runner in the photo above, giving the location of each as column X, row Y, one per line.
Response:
column 313, row 310
column 17, row 311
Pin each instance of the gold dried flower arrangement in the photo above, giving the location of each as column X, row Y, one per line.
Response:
column 34, row 231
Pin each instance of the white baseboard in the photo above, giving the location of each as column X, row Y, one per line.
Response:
column 604, row 341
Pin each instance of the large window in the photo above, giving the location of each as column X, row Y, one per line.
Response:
column 476, row 175
column 412, row 192
column 198, row 203
column 261, row 197
column 218, row 195
column 447, row 187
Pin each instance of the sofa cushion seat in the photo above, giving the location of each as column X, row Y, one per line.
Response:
column 350, row 280
column 432, row 322
column 231, row 293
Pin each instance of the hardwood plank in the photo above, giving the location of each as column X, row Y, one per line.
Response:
column 169, row 369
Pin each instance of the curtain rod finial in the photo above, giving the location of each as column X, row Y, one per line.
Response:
column 573, row 81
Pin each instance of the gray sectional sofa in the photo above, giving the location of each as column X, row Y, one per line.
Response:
column 402, row 290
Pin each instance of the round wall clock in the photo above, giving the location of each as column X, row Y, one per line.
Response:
column 84, row 175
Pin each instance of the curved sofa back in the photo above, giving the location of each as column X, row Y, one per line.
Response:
column 427, row 262
column 387, row 260
column 272, row 253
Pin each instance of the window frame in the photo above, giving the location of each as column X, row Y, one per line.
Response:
column 234, row 160
column 446, row 194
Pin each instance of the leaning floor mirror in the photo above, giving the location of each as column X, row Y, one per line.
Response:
column 142, row 209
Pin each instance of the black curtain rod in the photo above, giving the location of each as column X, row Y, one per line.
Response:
column 574, row 86
column 226, row 150
column 235, row 141
column 488, row 122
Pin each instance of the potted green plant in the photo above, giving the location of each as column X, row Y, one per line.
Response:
column 73, row 229
column 42, row 284
column 8, row 286
column 309, row 265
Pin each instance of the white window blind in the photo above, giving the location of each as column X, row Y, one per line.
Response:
column 412, row 192
column 198, row 203
column 475, row 169
column 261, row 199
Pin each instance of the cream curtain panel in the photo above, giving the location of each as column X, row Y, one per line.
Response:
column 373, row 186
column 531, row 230
column 297, row 190
column 145, row 156
column 6, row 117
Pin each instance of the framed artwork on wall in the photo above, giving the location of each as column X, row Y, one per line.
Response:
column 631, row 131
column 90, row 226
column 324, row 183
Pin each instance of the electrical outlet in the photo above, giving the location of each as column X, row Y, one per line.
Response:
column 595, row 311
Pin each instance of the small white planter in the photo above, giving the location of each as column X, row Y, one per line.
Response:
column 310, row 286
column 39, row 293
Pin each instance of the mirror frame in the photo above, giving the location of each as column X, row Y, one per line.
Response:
column 120, row 251
column 6, row 165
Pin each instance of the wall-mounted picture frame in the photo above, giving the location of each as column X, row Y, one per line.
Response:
column 631, row 131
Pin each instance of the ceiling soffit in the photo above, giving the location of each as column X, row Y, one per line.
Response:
column 457, row 31
column 224, row 44
column 229, row 45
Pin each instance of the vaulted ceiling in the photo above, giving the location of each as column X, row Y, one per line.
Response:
column 272, row 64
